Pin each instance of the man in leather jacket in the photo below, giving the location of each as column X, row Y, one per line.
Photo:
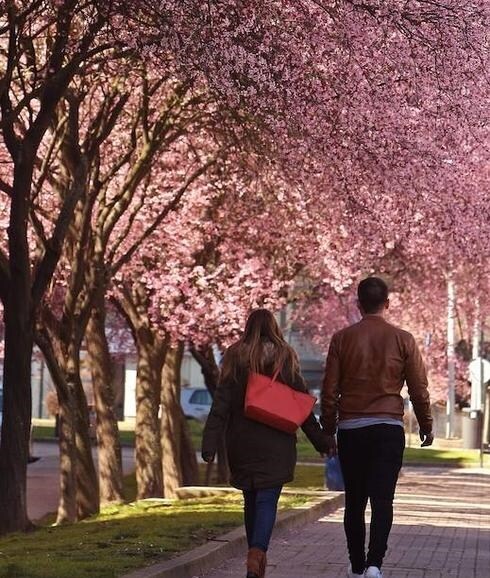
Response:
column 367, row 365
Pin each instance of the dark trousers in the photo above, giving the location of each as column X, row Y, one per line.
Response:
column 371, row 458
column 260, row 516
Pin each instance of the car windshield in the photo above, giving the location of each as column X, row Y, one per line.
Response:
column 201, row 397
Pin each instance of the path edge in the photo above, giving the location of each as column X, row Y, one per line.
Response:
column 195, row 562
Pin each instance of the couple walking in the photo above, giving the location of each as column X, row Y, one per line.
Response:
column 362, row 419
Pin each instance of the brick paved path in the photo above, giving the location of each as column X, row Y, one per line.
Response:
column 441, row 530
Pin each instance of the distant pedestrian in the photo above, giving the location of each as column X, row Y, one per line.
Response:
column 367, row 366
column 261, row 458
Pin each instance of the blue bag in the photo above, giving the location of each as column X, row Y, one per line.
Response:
column 333, row 474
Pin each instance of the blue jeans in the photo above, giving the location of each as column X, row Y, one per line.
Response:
column 260, row 515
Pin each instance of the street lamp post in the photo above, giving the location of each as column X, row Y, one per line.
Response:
column 451, row 355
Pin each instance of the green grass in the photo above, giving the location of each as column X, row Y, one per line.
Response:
column 429, row 456
column 126, row 537
column 307, row 453
column 449, row 457
column 196, row 429
column 43, row 432
column 308, row 477
column 122, row 538
column 46, row 432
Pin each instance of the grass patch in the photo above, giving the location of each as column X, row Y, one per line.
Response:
column 308, row 477
column 430, row 456
column 451, row 457
column 122, row 538
column 46, row 433
column 307, row 453
column 42, row 432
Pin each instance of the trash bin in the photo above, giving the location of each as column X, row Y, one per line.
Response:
column 472, row 428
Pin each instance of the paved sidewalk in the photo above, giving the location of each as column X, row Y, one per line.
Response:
column 43, row 478
column 441, row 530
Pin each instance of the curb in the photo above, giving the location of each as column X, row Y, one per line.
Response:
column 206, row 557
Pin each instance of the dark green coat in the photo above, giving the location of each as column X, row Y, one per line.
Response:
column 259, row 456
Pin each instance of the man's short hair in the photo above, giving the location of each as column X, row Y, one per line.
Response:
column 372, row 294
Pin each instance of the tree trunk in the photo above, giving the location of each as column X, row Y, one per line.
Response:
column 133, row 305
column 108, row 441
column 88, row 502
column 79, row 496
column 53, row 355
column 67, row 505
column 188, row 461
column 178, row 457
column 171, row 422
column 147, row 442
column 16, row 422
column 205, row 357
column 19, row 317
column 209, row 368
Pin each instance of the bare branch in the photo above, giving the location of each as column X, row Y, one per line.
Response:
column 10, row 138
column 6, row 188
column 51, row 153
column 77, row 165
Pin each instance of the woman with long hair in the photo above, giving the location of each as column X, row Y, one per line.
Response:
column 261, row 458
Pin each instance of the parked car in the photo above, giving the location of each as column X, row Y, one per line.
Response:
column 195, row 402
column 316, row 408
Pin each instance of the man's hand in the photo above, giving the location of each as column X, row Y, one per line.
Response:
column 208, row 457
column 426, row 438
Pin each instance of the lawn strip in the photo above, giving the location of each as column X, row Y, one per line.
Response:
column 124, row 537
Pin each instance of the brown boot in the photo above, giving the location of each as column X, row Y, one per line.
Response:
column 256, row 562
column 264, row 566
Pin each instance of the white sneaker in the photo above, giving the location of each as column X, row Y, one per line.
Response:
column 351, row 574
column 373, row 572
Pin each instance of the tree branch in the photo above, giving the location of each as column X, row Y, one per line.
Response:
column 163, row 214
column 6, row 188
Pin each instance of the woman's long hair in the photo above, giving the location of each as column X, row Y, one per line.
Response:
column 262, row 344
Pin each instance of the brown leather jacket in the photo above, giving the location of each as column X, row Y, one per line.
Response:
column 367, row 365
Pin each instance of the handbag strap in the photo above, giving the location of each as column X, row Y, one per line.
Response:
column 276, row 375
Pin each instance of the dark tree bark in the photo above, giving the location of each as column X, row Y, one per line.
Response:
column 20, row 292
column 151, row 351
column 178, row 456
column 79, row 495
column 16, row 416
column 108, row 440
column 188, row 461
column 171, row 422
column 147, row 442
column 87, row 489
column 205, row 357
column 67, row 505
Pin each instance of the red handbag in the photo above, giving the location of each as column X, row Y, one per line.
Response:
column 276, row 404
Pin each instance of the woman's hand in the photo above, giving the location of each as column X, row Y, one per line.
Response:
column 208, row 457
column 330, row 447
